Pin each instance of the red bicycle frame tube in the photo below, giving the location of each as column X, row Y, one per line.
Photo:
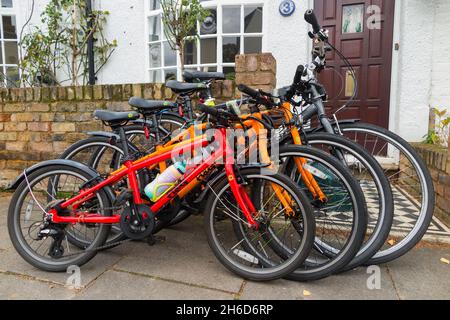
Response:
column 224, row 151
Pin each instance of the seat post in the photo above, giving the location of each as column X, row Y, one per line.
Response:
column 123, row 141
column 155, row 128
column 188, row 104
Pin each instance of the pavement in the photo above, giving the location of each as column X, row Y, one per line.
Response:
column 183, row 267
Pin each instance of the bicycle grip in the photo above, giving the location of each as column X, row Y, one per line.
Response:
column 299, row 74
column 208, row 110
column 311, row 18
column 249, row 91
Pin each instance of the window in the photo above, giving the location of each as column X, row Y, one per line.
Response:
column 233, row 27
column 9, row 56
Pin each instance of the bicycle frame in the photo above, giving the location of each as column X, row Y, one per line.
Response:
column 130, row 168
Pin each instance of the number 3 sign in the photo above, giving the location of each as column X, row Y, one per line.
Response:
column 287, row 8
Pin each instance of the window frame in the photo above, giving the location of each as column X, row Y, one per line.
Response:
column 220, row 65
column 13, row 12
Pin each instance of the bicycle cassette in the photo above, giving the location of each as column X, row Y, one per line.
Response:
column 138, row 226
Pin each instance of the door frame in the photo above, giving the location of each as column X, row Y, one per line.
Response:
column 395, row 62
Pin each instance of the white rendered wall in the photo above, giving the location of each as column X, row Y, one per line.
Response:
column 440, row 82
column 411, row 78
column 287, row 39
column 126, row 25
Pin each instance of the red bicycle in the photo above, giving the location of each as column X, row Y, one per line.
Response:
column 62, row 211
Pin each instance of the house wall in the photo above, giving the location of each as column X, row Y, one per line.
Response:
column 440, row 81
column 287, row 39
column 126, row 25
column 412, row 79
column 421, row 68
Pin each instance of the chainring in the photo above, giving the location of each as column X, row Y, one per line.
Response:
column 139, row 231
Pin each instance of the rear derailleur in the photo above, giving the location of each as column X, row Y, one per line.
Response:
column 56, row 232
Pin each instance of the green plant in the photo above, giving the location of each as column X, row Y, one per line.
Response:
column 56, row 51
column 179, row 18
column 440, row 131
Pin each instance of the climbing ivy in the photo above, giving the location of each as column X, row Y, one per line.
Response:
column 55, row 52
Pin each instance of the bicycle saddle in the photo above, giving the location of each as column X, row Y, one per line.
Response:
column 151, row 105
column 182, row 87
column 112, row 116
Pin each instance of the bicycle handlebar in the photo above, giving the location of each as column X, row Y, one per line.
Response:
column 249, row 91
column 311, row 18
column 299, row 74
column 208, row 110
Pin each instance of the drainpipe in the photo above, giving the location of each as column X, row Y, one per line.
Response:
column 90, row 45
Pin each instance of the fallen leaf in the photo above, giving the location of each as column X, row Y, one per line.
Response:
column 443, row 260
column 306, row 293
column 391, row 242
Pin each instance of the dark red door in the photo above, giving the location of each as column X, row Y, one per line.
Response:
column 363, row 32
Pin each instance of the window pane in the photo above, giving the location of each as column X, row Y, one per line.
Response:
column 208, row 50
column 12, row 75
column 154, row 28
column 154, row 5
column 7, row 3
column 252, row 19
column 231, row 20
column 9, row 27
column 190, row 52
column 208, row 68
column 170, row 56
column 252, row 44
column 231, row 47
column 353, row 18
column 1, row 58
column 170, row 74
column 155, row 76
column 230, row 73
column 155, row 55
column 11, row 52
column 209, row 25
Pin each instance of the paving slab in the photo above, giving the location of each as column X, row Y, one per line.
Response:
column 184, row 256
column 5, row 242
column 11, row 261
column 421, row 275
column 124, row 286
column 350, row 285
column 15, row 287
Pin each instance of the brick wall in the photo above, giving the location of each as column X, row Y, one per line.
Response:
column 38, row 124
column 437, row 160
column 257, row 71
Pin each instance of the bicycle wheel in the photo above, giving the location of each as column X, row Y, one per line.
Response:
column 376, row 187
column 46, row 246
column 411, row 184
column 341, row 221
column 222, row 213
